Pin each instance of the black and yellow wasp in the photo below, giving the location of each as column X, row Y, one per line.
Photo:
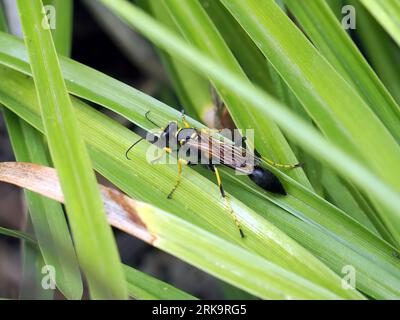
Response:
column 204, row 143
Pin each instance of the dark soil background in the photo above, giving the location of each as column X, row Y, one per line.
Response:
column 92, row 46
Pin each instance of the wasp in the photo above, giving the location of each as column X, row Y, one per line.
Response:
column 202, row 142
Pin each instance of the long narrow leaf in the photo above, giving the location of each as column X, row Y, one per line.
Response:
column 61, row 13
column 268, row 139
column 320, row 25
column 314, row 85
column 142, row 286
column 107, row 144
column 387, row 12
column 95, row 245
column 380, row 49
column 302, row 133
column 334, row 253
column 17, row 234
column 314, row 81
column 246, row 52
column 163, row 230
column 47, row 216
column 333, row 42
column 31, row 287
column 132, row 104
column 192, row 89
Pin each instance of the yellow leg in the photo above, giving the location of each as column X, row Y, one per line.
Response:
column 181, row 162
column 185, row 123
column 165, row 149
column 210, row 131
column 273, row 163
column 279, row 165
column 219, row 182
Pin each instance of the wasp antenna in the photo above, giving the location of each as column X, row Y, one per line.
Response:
column 129, row 149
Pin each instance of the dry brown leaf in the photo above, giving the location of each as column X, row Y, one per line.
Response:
column 122, row 211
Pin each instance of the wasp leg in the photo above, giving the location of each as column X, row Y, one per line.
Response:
column 280, row 165
column 221, row 189
column 181, row 162
column 183, row 117
column 210, row 131
column 271, row 162
column 166, row 149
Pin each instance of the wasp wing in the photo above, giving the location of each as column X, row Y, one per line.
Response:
column 217, row 150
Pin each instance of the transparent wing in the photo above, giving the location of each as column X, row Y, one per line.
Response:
column 227, row 153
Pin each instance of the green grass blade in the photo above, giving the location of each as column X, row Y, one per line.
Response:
column 334, row 253
column 136, row 49
column 314, row 82
column 17, row 234
column 107, row 144
column 268, row 140
column 3, row 20
column 192, row 89
column 140, row 285
column 63, row 15
column 329, row 37
column 320, row 25
column 329, row 186
column 132, row 104
column 246, row 52
column 49, row 224
column 306, row 136
column 369, row 209
column 32, row 262
column 380, row 49
column 342, row 197
column 29, row 255
column 127, row 177
column 286, row 96
column 387, row 13
column 94, row 241
column 336, row 7
column 268, row 283
column 172, row 234
column 333, row 223
column 47, row 216
column 144, row 287
column 31, row 279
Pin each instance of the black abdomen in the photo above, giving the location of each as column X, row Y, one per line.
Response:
column 267, row 180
